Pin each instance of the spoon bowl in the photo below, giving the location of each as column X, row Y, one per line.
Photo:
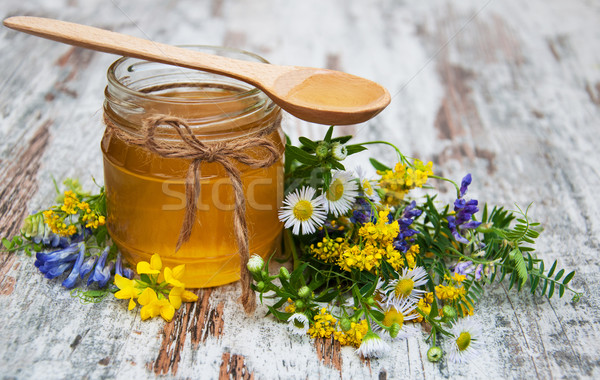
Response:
column 315, row 95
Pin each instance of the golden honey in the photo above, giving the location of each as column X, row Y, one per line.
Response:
column 146, row 192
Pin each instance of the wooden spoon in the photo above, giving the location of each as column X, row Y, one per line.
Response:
column 315, row 95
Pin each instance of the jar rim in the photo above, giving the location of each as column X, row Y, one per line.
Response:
column 116, row 82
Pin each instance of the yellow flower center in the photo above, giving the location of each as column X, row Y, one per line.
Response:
column 404, row 287
column 303, row 210
column 336, row 190
column 393, row 316
column 463, row 341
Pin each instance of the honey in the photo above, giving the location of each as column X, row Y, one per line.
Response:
column 146, row 193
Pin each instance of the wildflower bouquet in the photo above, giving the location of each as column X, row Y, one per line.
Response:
column 71, row 239
column 369, row 261
column 370, row 258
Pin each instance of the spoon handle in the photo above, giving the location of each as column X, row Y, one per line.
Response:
column 116, row 43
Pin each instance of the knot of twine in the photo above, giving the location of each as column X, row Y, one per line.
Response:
column 225, row 153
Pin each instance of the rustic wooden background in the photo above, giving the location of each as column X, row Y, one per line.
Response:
column 505, row 89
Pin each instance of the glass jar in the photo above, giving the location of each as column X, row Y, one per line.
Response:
column 146, row 192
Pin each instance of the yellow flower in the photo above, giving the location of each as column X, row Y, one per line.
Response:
column 174, row 276
column 175, row 296
column 188, row 296
column 127, row 290
column 329, row 249
column 152, row 306
column 354, row 336
column 152, row 267
column 323, row 326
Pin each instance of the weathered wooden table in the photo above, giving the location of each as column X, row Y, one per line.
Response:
column 506, row 90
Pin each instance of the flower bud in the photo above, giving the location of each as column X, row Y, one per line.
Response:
column 284, row 273
column 255, row 264
column 434, row 354
column 449, row 312
column 322, row 150
column 346, row 324
column 338, row 151
column 395, row 329
column 299, row 304
column 370, row 301
column 304, row 292
column 260, row 286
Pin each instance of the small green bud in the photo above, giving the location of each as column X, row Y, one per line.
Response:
column 322, row 150
column 299, row 304
column 346, row 324
column 370, row 301
column 395, row 329
column 449, row 312
column 338, row 151
column 255, row 264
column 260, row 286
column 434, row 354
column 304, row 292
column 284, row 273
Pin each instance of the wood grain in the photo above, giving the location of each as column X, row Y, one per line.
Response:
column 506, row 90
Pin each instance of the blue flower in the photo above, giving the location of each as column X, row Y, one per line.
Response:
column 69, row 282
column 119, row 270
column 464, row 211
column 53, row 264
column 101, row 273
column 87, row 266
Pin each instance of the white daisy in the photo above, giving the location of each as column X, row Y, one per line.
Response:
column 298, row 323
column 341, row 194
column 369, row 187
column 302, row 209
column 372, row 346
column 467, row 341
column 405, row 286
column 399, row 312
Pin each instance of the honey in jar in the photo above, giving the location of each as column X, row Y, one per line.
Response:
column 146, row 192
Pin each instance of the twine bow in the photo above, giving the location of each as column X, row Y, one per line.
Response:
column 224, row 153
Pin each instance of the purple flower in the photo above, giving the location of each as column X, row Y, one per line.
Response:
column 101, row 273
column 464, row 185
column 408, row 215
column 119, row 270
column 467, row 267
column 362, row 212
column 464, row 211
column 70, row 281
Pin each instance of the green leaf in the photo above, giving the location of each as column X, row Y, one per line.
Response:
column 307, row 142
column 342, row 139
column 282, row 316
column 521, row 267
column 378, row 165
column 568, row 278
column 327, row 137
column 7, row 243
column 552, row 268
column 551, row 290
column 559, row 274
column 300, row 155
column 561, row 290
column 352, row 149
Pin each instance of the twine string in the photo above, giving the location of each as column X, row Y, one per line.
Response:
column 226, row 154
